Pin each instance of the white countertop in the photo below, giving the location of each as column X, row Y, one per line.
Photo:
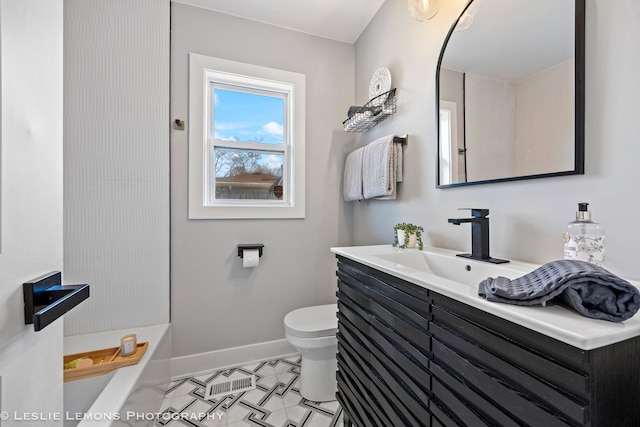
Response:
column 555, row 321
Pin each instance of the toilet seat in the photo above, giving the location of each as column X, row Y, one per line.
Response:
column 312, row 322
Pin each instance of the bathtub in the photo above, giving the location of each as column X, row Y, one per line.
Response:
column 127, row 396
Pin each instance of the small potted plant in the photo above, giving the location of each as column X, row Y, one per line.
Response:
column 406, row 235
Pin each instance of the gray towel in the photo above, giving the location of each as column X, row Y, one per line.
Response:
column 379, row 169
column 352, row 186
column 589, row 289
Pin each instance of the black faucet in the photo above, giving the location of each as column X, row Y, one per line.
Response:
column 479, row 236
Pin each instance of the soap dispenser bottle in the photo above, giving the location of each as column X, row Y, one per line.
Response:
column 584, row 239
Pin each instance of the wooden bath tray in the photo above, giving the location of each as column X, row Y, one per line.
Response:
column 104, row 361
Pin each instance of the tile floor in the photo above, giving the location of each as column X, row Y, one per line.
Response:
column 275, row 402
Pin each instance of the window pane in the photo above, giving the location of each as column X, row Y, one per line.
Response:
column 248, row 117
column 245, row 174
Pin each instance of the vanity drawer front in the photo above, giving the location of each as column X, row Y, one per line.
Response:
column 570, row 381
column 363, row 294
column 560, row 353
column 441, row 417
column 357, row 319
column 390, row 342
column 493, row 388
column 355, row 370
column 458, row 412
column 417, row 337
column 406, row 382
column 393, row 303
column 358, row 293
column 374, row 324
column 353, row 399
column 412, row 296
column 377, row 410
column 398, row 393
column 353, row 351
column 457, row 391
column 392, row 394
column 400, row 327
column 385, row 407
column 405, row 324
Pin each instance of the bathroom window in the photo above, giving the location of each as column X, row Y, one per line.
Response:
column 246, row 140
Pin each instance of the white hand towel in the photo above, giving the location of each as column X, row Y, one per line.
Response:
column 378, row 169
column 352, row 187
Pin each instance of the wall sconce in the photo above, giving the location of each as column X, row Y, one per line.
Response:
column 466, row 19
column 421, row 10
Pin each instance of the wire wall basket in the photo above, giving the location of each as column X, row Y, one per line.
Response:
column 379, row 108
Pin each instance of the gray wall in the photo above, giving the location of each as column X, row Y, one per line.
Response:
column 528, row 217
column 116, row 161
column 215, row 303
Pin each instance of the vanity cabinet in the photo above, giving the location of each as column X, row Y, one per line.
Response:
column 408, row 356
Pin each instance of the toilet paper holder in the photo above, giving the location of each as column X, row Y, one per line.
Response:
column 242, row 248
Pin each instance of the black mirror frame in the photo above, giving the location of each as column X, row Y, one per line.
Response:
column 580, row 24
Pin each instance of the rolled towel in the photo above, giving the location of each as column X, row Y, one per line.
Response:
column 367, row 111
column 353, row 109
column 589, row 289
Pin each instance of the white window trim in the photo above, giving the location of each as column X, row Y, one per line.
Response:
column 199, row 66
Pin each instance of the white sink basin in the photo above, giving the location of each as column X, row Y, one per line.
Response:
column 446, row 264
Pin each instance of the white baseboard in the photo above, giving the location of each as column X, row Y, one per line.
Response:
column 202, row 363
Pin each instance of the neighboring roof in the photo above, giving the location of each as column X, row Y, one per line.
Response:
column 248, row 180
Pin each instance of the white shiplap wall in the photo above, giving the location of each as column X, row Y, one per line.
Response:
column 116, row 161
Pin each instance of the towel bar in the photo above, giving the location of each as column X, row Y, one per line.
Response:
column 403, row 139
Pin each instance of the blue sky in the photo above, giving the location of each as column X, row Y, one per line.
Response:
column 248, row 117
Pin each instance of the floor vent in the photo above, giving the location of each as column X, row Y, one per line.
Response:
column 239, row 385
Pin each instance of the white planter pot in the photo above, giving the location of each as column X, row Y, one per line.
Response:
column 412, row 239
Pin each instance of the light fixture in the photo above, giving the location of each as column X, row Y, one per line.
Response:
column 466, row 19
column 421, row 10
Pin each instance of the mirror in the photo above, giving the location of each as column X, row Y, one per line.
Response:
column 510, row 92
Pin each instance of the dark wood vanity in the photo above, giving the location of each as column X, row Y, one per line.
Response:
column 408, row 356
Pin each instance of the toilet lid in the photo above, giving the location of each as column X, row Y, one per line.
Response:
column 310, row 322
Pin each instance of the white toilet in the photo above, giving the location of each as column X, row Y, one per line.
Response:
column 312, row 331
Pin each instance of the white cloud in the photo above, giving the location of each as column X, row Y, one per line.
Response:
column 228, row 126
column 225, row 138
column 273, row 128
